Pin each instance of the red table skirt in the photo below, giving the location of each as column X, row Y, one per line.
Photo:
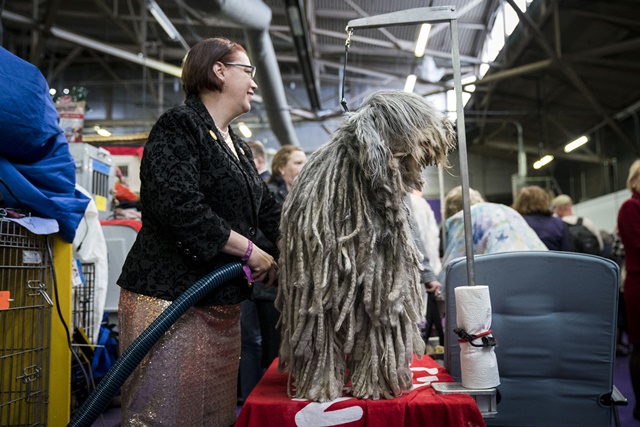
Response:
column 269, row 406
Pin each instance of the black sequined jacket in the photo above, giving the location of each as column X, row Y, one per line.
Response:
column 194, row 192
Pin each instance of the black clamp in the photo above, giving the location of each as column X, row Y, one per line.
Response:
column 487, row 340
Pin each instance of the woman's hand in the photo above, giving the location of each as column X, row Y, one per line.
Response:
column 263, row 267
column 434, row 287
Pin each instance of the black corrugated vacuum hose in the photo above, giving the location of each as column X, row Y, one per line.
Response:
column 133, row 355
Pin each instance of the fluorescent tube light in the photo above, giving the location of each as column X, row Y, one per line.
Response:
column 543, row 161
column 421, row 44
column 410, row 83
column 244, row 130
column 575, row 144
column 162, row 19
column 165, row 23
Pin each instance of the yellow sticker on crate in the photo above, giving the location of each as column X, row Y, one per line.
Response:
column 101, row 203
column 5, row 298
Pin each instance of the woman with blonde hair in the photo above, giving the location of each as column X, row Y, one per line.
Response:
column 534, row 204
column 629, row 229
column 285, row 168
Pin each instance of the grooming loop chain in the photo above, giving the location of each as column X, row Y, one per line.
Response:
column 347, row 45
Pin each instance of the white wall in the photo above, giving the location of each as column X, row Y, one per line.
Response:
column 603, row 210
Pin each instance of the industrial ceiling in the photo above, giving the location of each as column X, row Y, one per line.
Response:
column 566, row 70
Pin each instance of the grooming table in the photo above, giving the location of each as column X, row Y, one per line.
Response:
column 269, row 406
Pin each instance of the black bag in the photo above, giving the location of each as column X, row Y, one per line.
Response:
column 584, row 241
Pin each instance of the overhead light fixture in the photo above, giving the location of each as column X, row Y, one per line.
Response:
column 165, row 23
column 421, row 44
column 102, row 132
column 244, row 130
column 575, row 144
column 410, row 83
column 543, row 161
column 52, row 91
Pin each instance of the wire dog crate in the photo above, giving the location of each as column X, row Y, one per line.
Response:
column 83, row 299
column 25, row 326
column 96, row 173
column 83, row 327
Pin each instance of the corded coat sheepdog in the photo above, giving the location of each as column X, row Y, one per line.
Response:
column 349, row 286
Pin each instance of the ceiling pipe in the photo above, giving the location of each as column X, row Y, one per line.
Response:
column 301, row 39
column 255, row 17
column 522, row 155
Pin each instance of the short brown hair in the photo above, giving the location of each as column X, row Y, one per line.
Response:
column 280, row 160
column 257, row 149
column 197, row 70
column 532, row 200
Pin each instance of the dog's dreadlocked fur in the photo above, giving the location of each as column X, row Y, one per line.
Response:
column 349, row 281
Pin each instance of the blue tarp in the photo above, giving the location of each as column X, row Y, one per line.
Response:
column 35, row 162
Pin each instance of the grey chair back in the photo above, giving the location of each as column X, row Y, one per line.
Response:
column 554, row 317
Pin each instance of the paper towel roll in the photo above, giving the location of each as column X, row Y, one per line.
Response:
column 478, row 365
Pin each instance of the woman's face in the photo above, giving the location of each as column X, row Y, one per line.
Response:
column 291, row 170
column 238, row 82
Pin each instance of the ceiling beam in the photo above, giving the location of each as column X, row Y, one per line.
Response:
column 114, row 19
column 599, row 16
column 42, row 33
column 610, row 49
column 560, row 154
column 408, row 46
column 501, row 75
column 64, row 64
column 509, row 60
column 573, row 77
column 396, row 42
column 437, row 28
column 102, row 47
column 298, row 27
column 612, row 63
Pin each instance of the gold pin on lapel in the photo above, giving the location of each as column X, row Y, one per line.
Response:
column 213, row 135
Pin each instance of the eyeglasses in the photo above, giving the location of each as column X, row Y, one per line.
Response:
column 252, row 73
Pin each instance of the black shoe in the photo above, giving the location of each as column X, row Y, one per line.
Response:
column 622, row 350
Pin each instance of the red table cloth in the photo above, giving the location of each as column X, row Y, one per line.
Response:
column 269, row 406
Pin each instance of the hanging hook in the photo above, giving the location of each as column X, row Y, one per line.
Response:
column 347, row 45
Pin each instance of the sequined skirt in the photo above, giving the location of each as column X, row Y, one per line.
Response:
column 189, row 377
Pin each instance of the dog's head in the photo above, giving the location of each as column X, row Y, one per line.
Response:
column 401, row 131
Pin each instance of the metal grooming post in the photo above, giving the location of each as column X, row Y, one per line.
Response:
column 432, row 15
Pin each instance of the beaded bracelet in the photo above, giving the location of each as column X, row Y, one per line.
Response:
column 247, row 254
